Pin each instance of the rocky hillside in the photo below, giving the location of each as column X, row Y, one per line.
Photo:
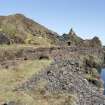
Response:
column 20, row 29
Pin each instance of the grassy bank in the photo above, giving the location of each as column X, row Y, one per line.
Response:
column 10, row 78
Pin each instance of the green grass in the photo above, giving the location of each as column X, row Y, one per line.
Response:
column 10, row 78
column 22, row 71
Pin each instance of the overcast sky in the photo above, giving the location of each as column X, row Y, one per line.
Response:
column 86, row 17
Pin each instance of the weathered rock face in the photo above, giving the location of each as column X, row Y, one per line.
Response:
column 96, row 42
column 65, row 77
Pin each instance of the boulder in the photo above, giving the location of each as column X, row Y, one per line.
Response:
column 4, row 39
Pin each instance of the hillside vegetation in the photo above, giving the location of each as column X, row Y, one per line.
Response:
column 19, row 29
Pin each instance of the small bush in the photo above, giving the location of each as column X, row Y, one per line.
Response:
column 95, row 81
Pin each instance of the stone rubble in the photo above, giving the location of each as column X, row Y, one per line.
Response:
column 66, row 76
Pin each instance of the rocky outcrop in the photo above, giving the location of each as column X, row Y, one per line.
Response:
column 4, row 38
column 93, row 43
column 104, row 55
column 96, row 42
column 72, row 39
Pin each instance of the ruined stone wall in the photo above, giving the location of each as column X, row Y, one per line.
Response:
column 56, row 53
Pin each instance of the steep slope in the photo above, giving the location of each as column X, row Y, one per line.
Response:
column 26, row 30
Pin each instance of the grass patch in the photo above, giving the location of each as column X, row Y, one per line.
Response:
column 10, row 78
column 22, row 72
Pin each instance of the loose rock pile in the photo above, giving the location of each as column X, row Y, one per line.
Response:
column 65, row 77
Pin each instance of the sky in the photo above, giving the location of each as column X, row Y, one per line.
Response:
column 86, row 17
